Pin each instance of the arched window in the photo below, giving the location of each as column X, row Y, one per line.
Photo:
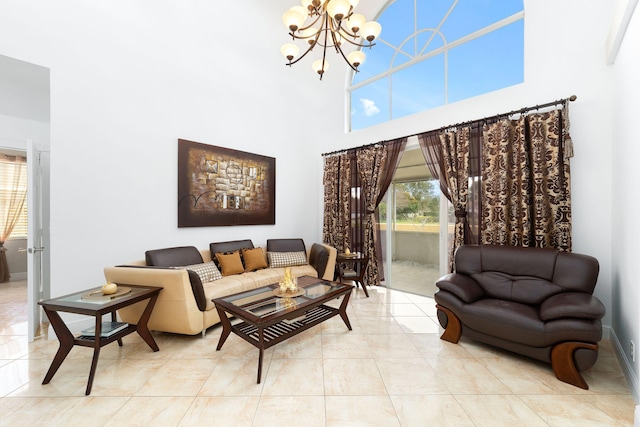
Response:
column 432, row 53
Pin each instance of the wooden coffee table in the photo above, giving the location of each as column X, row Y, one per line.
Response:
column 267, row 319
column 83, row 303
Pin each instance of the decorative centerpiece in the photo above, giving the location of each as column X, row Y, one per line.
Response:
column 288, row 287
column 109, row 288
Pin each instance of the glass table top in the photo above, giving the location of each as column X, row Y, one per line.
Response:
column 263, row 302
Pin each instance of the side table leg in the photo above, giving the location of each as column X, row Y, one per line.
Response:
column 92, row 372
column 66, row 343
column 226, row 327
column 342, row 310
column 143, row 329
column 114, row 318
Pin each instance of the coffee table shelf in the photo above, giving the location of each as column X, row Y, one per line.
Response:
column 282, row 330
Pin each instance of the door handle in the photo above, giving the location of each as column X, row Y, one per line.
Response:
column 34, row 250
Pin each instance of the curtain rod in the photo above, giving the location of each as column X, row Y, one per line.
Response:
column 497, row 116
column 510, row 113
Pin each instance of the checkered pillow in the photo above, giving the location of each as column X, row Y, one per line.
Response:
column 286, row 259
column 208, row 271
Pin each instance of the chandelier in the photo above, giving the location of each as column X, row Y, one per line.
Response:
column 328, row 23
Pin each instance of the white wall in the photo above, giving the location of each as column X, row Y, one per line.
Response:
column 626, row 205
column 130, row 78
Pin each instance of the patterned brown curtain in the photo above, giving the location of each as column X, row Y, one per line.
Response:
column 376, row 167
column 12, row 202
column 526, row 182
column 447, row 156
column 337, row 191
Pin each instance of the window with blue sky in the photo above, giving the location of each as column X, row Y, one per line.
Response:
column 435, row 52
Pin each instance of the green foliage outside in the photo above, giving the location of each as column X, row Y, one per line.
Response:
column 417, row 202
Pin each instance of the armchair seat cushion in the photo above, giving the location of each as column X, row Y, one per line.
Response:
column 520, row 323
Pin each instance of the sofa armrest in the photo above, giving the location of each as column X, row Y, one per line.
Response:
column 462, row 286
column 194, row 280
column 322, row 257
column 176, row 309
column 572, row 304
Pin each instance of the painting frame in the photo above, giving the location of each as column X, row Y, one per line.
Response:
column 220, row 186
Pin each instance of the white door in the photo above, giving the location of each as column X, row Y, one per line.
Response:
column 38, row 267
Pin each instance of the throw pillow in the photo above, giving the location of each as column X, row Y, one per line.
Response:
column 286, row 259
column 207, row 271
column 254, row 259
column 230, row 263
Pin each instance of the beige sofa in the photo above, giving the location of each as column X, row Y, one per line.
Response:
column 184, row 305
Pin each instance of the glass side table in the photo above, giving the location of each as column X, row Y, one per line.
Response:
column 87, row 303
column 352, row 267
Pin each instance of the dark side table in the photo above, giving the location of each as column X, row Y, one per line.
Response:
column 97, row 307
column 352, row 267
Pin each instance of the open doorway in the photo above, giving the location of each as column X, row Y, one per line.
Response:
column 24, row 123
column 413, row 224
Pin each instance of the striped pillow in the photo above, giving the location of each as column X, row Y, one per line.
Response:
column 207, row 271
column 286, row 259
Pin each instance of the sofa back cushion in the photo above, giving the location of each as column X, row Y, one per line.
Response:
column 230, row 246
column 173, row 257
column 285, row 245
column 526, row 275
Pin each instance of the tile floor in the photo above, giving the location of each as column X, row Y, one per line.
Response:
column 391, row 370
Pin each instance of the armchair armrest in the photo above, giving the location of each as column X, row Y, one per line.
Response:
column 571, row 304
column 464, row 287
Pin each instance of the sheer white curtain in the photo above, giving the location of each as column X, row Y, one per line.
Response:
column 13, row 195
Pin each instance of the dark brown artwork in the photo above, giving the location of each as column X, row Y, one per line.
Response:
column 221, row 186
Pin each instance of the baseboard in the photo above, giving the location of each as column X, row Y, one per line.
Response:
column 14, row 277
column 627, row 368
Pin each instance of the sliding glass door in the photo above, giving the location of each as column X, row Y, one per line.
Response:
column 413, row 221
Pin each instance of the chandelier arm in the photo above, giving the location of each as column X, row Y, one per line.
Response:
column 309, row 26
column 301, row 56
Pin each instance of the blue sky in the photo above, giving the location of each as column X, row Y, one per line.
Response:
column 485, row 64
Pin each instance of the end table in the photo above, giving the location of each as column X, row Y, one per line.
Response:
column 97, row 307
column 352, row 267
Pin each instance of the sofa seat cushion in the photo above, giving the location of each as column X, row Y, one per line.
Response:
column 520, row 323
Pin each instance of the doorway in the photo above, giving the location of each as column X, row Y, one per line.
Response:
column 25, row 117
column 413, row 224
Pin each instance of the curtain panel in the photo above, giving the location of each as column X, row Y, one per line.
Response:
column 526, row 182
column 336, row 229
column 376, row 167
column 355, row 182
column 12, row 202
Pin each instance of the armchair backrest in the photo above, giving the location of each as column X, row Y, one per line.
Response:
column 526, row 275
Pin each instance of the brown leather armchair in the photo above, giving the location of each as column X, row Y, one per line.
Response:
column 531, row 301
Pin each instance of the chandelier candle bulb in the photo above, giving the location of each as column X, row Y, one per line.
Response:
column 293, row 18
column 290, row 51
column 356, row 21
column 338, row 9
column 371, row 30
column 356, row 58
